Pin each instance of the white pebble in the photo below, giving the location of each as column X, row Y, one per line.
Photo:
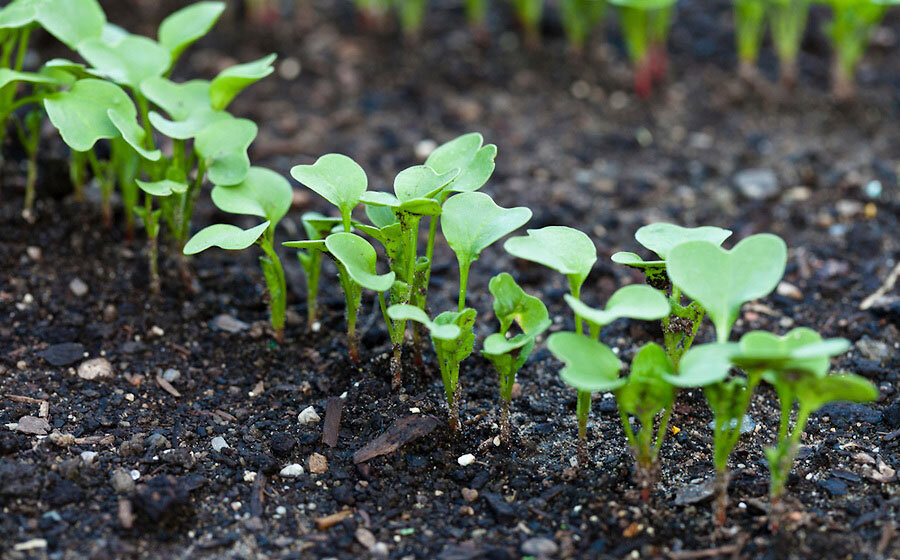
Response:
column 87, row 457
column 236, row 505
column 219, row 443
column 308, row 416
column 249, row 476
column 466, row 460
column 135, row 474
column 291, row 471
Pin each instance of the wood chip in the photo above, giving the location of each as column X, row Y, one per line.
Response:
column 167, row 386
column 23, row 399
column 400, row 432
column 888, row 285
column 329, row 521
column 258, row 495
column 332, row 421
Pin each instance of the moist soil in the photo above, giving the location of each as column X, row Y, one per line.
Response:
column 578, row 148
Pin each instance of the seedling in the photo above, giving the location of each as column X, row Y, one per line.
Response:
column 645, row 394
column 262, row 193
column 645, row 27
column 850, row 28
column 476, row 14
column 471, row 222
column 317, row 227
column 160, row 189
column 509, row 352
column 681, row 326
column 336, row 178
column 453, row 338
column 787, row 21
column 411, row 14
column 529, row 13
column 373, row 13
column 749, row 29
column 579, row 18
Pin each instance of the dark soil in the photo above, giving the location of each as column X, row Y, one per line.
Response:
column 579, row 149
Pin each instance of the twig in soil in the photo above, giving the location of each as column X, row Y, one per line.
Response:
column 882, row 290
column 887, row 535
column 331, row 429
column 23, row 399
column 167, row 386
column 324, row 523
column 397, row 434
column 256, row 498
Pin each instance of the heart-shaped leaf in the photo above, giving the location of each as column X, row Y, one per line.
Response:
column 564, row 249
column 18, row 14
column 590, row 365
column 405, row 312
column 634, row 302
column 380, row 216
column 647, row 392
column 815, row 392
column 722, row 281
column 188, row 24
column 513, row 305
column 421, row 181
column 635, row 261
column 233, row 80
column 460, row 347
column 309, row 244
column 262, row 193
column 8, row 76
column 471, row 222
column 93, row 110
column 335, row 177
column 801, row 349
column 180, row 101
column 129, row 61
column 359, row 258
column 162, row 188
column 223, row 145
column 224, row 236
column 70, row 21
column 661, row 238
column 466, row 153
column 704, row 365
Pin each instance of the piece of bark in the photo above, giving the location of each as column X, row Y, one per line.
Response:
column 332, row 427
column 167, row 386
column 329, row 521
column 399, row 433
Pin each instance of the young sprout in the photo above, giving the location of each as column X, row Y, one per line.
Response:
column 160, row 189
column 317, row 227
column 633, row 302
column 412, row 14
column 336, row 178
column 262, row 193
column 471, row 222
column 356, row 261
column 681, row 326
column 529, row 13
column 787, row 21
column 508, row 351
column 850, row 28
column 645, row 27
column 373, row 13
column 476, row 14
column 749, row 29
column 180, row 29
column 453, row 337
column 579, row 18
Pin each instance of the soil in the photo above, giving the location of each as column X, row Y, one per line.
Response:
column 576, row 146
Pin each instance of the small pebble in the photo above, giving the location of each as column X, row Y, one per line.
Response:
column 539, row 547
column 121, row 481
column 249, row 476
column 34, row 253
column 318, row 464
column 424, row 148
column 95, row 368
column 236, row 505
column 469, row 494
column 172, row 375
column 218, row 444
column 87, row 457
column 291, row 471
column 78, row 287
column 308, row 416
column 466, row 460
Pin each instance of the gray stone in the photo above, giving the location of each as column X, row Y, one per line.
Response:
column 539, row 547
column 748, row 424
column 756, row 184
column 32, row 425
column 228, row 324
column 63, row 354
column 695, row 493
column 121, row 481
column 78, row 287
column 171, row 375
column 218, row 444
column 873, row 349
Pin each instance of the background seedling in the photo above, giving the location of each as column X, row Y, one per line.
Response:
column 529, row 13
column 317, row 227
column 579, row 18
column 454, row 339
column 476, row 14
column 471, row 222
column 787, row 21
column 336, row 178
column 411, row 14
column 159, row 189
column 749, row 29
column 262, row 193
column 645, row 27
column 506, row 351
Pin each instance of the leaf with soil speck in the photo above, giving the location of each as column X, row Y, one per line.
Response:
column 399, row 433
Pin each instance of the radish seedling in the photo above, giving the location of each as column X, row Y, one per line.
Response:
column 476, row 14
column 579, row 18
column 262, row 193
column 787, row 21
column 411, row 14
column 453, row 337
column 182, row 28
column 851, row 26
column 645, row 27
column 529, row 13
column 506, row 351
column 749, row 29
column 681, row 326
column 336, row 178
column 159, row 189
column 317, row 227
column 471, row 222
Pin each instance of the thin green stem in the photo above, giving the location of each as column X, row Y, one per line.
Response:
column 582, row 412
column 575, row 290
column 463, row 281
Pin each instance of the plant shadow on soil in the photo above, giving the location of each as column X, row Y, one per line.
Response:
column 579, row 149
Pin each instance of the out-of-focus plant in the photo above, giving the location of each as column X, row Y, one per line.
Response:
column 151, row 217
column 373, row 14
column 645, row 27
column 749, row 29
column 476, row 14
column 262, row 193
column 579, row 18
column 508, row 351
column 411, row 14
column 529, row 13
column 317, row 228
column 787, row 22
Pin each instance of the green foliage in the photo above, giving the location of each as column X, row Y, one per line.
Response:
column 749, row 29
column 645, row 28
column 188, row 105
column 635, row 302
column 579, row 18
column 231, row 81
column 317, row 227
column 180, row 29
column 223, row 148
column 70, row 21
column 359, row 258
column 336, row 178
column 722, row 281
column 590, row 365
column 564, row 249
column 468, row 154
column 849, row 31
column 128, row 61
column 787, row 22
column 224, row 236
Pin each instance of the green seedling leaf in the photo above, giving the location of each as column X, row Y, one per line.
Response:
column 589, row 365
column 224, row 236
column 187, row 104
column 180, row 29
column 471, row 222
column 704, row 365
column 466, row 153
column 634, row 302
column 262, row 193
column 381, row 216
column 359, row 258
column 800, row 350
column 564, row 249
column 18, row 14
column 309, row 244
column 635, row 261
column 233, row 80
column 318, row 226
column 722, row 281
column 336, row 178
column 643, row 4
column 513, row 305
column 647, row 391
column 93, row 110
column 128, row 61
column 815, row 392
column 420, row 182
column 661, row 238
column 405, row 312
column 162, row 188
column 461, row 346
column 223, row 145
column 70, row 21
